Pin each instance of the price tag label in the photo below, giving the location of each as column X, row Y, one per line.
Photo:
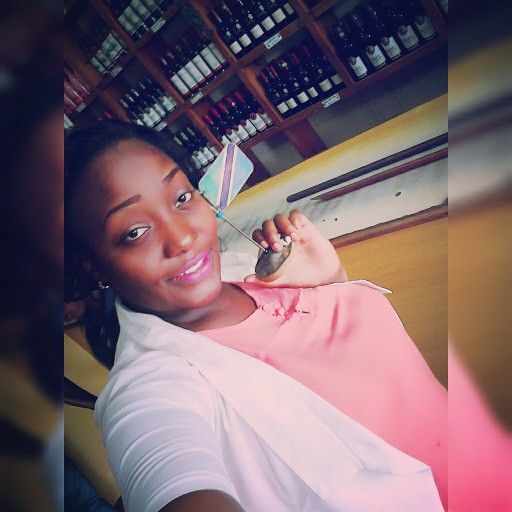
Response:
column 161, row 126
column 80, row 107
column 196, row 97
column 116, row 71
column 157, row 25
column 330, row 100
column 272, row 41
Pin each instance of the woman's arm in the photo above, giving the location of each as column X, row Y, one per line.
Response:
column 204, row 501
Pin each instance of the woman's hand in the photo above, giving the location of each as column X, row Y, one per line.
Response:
column 313, row 262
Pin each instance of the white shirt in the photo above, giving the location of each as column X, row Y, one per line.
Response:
column 182, row 413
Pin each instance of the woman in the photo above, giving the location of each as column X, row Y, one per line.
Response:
column 233, row 397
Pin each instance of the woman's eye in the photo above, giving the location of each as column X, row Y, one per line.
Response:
column 184, row 198
column 134, row 234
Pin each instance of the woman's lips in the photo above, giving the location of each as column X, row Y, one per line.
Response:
column 196, row 270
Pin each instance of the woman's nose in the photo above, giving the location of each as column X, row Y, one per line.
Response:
column 180, row 237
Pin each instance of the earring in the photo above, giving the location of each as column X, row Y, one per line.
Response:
column 102, row 285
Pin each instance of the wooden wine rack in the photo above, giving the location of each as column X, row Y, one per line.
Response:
column 296, row 128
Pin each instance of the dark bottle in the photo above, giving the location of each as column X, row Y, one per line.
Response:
column 262, row 16
column 170, row 65
column 317, row 70
column 151, row 99
column 255, row 106
column 226, row 33
column 250, row 111
column 190, row 51
column 273, row 95
column 421, row 21
column 398, row 22
column 349, row 52
column 301, row 73
column 274, row 8
column 222, row 127
column 119, row 9
column 285, row 93
column 185, row 59
column 132, row 114
column 144, row 13
column 239, row 112
column 367, row 39
column 201, row 46
column 166, row 101
column 236, row 27
column 233, row 122
column 146, row 106
column 180, row 65
column 134, row 106
column 214, row 128
column 248, row 20
column 383, row 32
column 297, row 89
column 134, row 17
column 289, row 10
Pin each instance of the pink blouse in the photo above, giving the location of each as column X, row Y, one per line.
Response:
column 346, row 343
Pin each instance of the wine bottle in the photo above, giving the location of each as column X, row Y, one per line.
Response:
column 185, row 58
column 189, row 49
column 273, row 95
column 349, row 52
column 239, row 113
column 297, row 89
column 147, row 94
column 232, row 122
column 400, row 25
column 215, row 126
column 226, row 34
column 421, row 21
column 250, row 111
column 289, row 10
column 202, row 47
column 262, row 16
column 118, row 10
column 235, row 25
column 284, row 91
column 133, row 17
column 182, row 70
column 132, row 115
column 383, row 32
column 317, row 70
column 367, row 39
column 169, row 64
column 302, row 75
column 273, row 7
column 248, row 20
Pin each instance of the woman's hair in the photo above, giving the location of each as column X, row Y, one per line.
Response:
column 83, row 146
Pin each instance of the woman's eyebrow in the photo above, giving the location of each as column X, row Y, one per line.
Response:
column 171, row 175
column 127, row 202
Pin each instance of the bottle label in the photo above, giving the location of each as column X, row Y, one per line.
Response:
column 291, row 103
column 196, row 97
column 116, row 71
column 210, row 59
column 200, row 156
column 157, row 25
column 288, row 8
column 258, row 122
column 213, row 150
column 235, row 47
column 312, row 92
column 140, row 8
column 376, row 56
column 202, row 66
column 303, row 97
column 257, row 31
column 161, row 126
column 272, row 41
column 245, row 40
column 195, row 161
column 153, row 114
column 425, row 27
column 168, row 103
column 278, row 15
column 358, row 66
column 217, row 53
column 187, row 78
column 325, row 85
column 126, row 24
column 336, row 79
column 192, row 69
column 208, row 154
column 249, row 127
column 233, row 136
column 241, row 132
column 268, row 23
column 224, row 141
column 408, row 37
column 159, row 110
column 147, row 120
column 391, row 47
column 266, row 118
column 179, row 84
column 283, row 107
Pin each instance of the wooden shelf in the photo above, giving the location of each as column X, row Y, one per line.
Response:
column 296, row 128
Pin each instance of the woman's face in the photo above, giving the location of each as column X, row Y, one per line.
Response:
column 151, row 235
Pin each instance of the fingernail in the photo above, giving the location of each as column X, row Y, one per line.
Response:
column 276, row 247
column 294, row 236
column 264, row 244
